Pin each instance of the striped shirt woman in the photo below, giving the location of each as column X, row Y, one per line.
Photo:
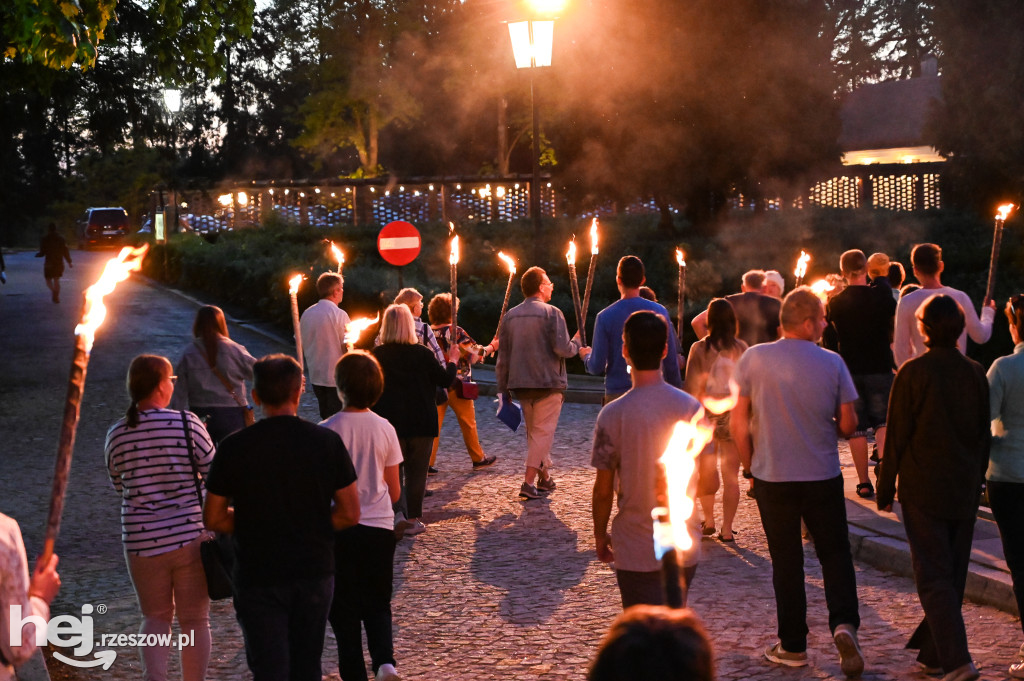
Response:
column 161, row 515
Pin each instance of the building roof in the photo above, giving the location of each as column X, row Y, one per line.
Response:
column 889, row 114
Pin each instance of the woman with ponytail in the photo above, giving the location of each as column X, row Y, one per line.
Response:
column 153, row 455
column 1005, row 476
column 212, row 374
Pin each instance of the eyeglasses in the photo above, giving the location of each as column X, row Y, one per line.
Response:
column 174, row 379
column 1013, row 302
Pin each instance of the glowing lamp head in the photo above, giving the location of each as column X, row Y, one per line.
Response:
column 593, row 236
column 570, row 255
column 224, row 200
column 115, row 271
column 801, row 264
column 680, row 258
column 1004, row 212
column 294, row 283
column 509, row 262
column 243, row 199
column 356, row 327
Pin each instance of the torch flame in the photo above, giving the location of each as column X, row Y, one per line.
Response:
column 801, row 264
column 453, row 258
column 822, row 288
column 679, row 258
column 1004, row 211
column 720, row 405
column 293, row 284
column 336, row 252
column 356, row 327
column 593, row 236
column 508, row 261
column 116, row 270
column 570, row 255
column 688, row 440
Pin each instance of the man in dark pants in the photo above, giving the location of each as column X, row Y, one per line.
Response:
column 938, row 448
column 794, row 397
column 55, row 251
column 282, row 487
column 322, row 328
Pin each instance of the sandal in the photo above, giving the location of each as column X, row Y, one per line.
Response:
column 707, row 530
column 865, row 490
column 722, row 538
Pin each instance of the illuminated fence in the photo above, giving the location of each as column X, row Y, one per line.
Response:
column 498, row 200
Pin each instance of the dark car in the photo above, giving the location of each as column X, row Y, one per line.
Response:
column 103, row 227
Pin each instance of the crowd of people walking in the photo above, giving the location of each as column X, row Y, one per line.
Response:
column 311, row 514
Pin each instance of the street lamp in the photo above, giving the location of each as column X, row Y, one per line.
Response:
column 172, row 100
column 531, row 48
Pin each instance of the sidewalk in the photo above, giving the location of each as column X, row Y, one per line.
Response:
column 876, row 538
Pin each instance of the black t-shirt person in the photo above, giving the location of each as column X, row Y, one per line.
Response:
column 863, row 319
column 281, row 475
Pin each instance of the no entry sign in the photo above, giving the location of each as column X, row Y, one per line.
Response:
column 399, row 242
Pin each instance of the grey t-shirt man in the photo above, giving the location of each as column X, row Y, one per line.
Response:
column 792, row 413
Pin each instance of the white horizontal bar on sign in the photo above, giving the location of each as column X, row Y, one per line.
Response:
column 397, row 243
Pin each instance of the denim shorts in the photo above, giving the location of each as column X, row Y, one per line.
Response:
column 872, row 401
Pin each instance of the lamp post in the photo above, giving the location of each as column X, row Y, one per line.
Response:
column 531, row 46
column 172, row 100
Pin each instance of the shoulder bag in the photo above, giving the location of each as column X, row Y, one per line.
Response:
column 212, row 552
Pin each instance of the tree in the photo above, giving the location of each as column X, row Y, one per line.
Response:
column 906, row 35
column 978, row 124
column 54, row 33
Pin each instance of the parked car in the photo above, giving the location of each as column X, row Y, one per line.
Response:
column 102, row 227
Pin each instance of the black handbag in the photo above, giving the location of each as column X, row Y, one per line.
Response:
column 215, row 553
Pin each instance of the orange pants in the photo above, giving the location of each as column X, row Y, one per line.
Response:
column 465, row 412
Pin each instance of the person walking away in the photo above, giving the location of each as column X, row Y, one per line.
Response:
column 935, row 457
column 862, row 317
column 212, row 373
column 440, row 313
column 322, row 328
column 758, row 314
column 908, row 341
column 411, row 377
column 1005, row 475
column 282, row 487
column 654, row 642
column 605, row 355
column 793, row 399
column 631, row 434
column 534, row 344
column 54, row 250
column 153, row 469
column 709, row 374
column 364, row 554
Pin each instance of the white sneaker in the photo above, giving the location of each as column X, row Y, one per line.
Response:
column 1016, row 670
column 387, row 673
column 851, row 660
column 416, row 528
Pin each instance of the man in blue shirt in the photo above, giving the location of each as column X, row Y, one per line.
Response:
column 605, row 356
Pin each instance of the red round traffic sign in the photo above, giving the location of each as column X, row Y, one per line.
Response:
column 399, row 242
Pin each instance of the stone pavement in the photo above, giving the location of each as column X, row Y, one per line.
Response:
column 497, row 588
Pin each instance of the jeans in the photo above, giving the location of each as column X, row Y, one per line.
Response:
column 364, row 570
column 221, row 421
column 1007, row 501
column 822, row 507
column 167, row 584
column 284, row 626
column 940, row 552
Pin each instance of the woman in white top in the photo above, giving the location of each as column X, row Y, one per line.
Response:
column 212, row 374
column 364, row 554
column 150, row 466
column 709, row 370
